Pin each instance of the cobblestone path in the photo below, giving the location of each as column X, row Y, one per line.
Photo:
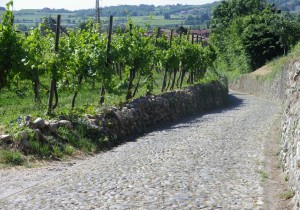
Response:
column 213, row 161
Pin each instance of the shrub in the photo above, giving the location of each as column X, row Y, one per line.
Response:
column 11, row 157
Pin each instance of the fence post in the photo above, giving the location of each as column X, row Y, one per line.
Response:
column 108, row 61
column 53, row 88
column 193, row 38
column 171, row 37
column 157, row 35
column 109, row 39
column 130, row 29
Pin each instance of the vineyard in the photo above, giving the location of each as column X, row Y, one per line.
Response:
column 59, row 66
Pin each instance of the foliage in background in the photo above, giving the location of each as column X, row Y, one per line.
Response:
column 11, row 157
column 11, row 50
column 247, row 34
column 286, row 5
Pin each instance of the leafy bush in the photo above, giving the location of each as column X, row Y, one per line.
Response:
column 247, row 34
column 77, row 140
column 11, row 157
column 57, row 152
column 69, row 149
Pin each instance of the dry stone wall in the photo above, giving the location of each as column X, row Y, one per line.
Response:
column 139, row 115
column 290, row 140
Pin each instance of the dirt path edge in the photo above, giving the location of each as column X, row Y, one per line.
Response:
column 276, row 190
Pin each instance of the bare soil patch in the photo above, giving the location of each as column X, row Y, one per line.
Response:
column 266, row 69
column 276, row 185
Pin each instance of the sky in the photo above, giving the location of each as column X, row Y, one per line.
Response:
column 86, row 4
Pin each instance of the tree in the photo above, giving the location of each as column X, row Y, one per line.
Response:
column 246, row 34
column 167, row 16
column 22, row 27
column 228, row 10
column 11, row 48
column 35, row 47
column 182, row 30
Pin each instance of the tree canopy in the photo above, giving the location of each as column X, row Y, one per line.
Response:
column 247, row 33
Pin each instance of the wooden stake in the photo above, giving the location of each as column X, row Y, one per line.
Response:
column 108, row 61
column 53, row 88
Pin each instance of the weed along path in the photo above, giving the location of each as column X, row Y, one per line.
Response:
column 214, row 161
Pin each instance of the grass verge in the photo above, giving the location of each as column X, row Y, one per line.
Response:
column 287, row 195
column 11, row 157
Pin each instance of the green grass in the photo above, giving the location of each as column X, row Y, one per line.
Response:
column 276, row 65
column 156, row 21
column 69, row 149
column 11, row 157
column 263, row 175
column 77, row 140
column 287, row 195
column 39, row 149
column 57, row 151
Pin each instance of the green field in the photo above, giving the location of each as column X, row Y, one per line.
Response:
column 28, row 18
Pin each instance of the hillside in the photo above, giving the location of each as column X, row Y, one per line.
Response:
column 287, row 5
column 168, row 16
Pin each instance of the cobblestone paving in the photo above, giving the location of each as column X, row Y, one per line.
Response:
column 207, row 162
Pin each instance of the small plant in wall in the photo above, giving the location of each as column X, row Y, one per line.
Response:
column 287, row 195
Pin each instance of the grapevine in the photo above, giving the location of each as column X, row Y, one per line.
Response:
column 83, row 59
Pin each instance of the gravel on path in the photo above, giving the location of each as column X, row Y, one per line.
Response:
column 214, row 161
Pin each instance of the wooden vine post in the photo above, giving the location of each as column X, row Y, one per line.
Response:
column 188, row 35
column 108, row 61
column 171, row 37
column 191, row 76
column 175, row 70
column 132, row 72
column 53, row 87
column 157, row 35
column 167, row 67
column 130, row 29
column 193, row 35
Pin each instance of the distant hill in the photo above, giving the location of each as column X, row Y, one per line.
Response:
column 287, row 5
column 168, row 16
column 146, row 10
